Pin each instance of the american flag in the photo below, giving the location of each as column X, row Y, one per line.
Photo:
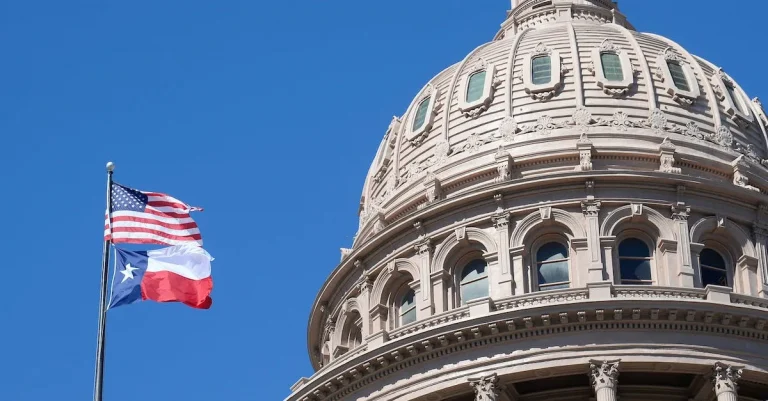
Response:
column 140, row 217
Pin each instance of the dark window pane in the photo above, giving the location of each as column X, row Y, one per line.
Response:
column 474, row 270
column 408, row 317
column 633, row 247
column 541, row 70
column 635, row 269
column 551, row 251
column 714, row 277
column 678, row 75
column 553, row 272
column 475, row 86
column 611, row 66
column 474, row 290
column 408, row 300
column 421, row 114
column 711, row 258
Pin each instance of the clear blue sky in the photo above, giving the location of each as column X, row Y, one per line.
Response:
column 266, row 113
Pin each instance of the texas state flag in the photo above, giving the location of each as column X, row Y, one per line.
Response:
column 179, row 273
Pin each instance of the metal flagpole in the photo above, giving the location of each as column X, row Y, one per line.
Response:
column 99, row 380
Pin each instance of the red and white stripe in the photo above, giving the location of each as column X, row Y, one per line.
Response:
column 164, row 221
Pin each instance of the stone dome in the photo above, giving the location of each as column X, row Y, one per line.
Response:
column 570, row 174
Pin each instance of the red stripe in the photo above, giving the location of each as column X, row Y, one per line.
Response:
column 168, row 204
column 182, row 226
column 156, row 232
column 142, row 241
column 165, row 286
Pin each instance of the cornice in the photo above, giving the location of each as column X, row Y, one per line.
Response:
column 669, row 310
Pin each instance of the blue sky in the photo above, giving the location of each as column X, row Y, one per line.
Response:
column 266, row 113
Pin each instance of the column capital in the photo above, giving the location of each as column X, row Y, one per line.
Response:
column 423, row 246
column 501, row 220
column 487, row 388
column 604, row 374
column 590, row 207
column 725, row 378
column 680, row 212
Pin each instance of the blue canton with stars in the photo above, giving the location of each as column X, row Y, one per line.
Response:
column 126, row 282
column 128, row 199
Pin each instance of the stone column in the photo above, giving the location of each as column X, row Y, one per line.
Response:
column 604, row 375
column 440, row 280
column 685, row 273
column 506, row 282
column 725, row 381
column 487, row 388
column 591, row 208
column 522, row 285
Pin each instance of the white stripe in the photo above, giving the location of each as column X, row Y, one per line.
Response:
column 168, row 209
column 170, row 231
column 144, row 235
column 142, row 215
column 187, row 261
column 164, row 198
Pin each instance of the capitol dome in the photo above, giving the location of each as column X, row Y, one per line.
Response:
column 574, row 211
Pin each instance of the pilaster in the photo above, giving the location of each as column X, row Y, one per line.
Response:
column 519, row 271
column 726, row 379
column 680, row 213
column 604, row 375
column 424, row 253
column 506, row 283
column 760, row 230
column 440, row 280
column 591, row 208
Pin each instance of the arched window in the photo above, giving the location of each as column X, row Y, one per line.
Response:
column 713, row 268
column 474, row 281
column 476, row 86
column 421, row 114
column 408, row 308
column 612, row 66
column 678, row 75
column 552, row 266
column 541, row 70
column 635, row 262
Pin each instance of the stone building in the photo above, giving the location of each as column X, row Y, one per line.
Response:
column 574, row 211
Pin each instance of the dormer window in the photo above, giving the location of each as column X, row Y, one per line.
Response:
column 611, row 67
column 732, row 98
column 478, row 88
column 541, row 70
column 614, row 74
column 421, row 114
column 678, row 77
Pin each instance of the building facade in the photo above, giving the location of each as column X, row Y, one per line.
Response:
column 574, row 211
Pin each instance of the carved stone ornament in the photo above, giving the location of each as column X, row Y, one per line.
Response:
column 680, row 212
column 507, row 129
column 604, row 374
column 492, row 82
column 486, row 388
column 590, row 207
column 433, row 188
column 726, row 378
column 584, row 146
column 543, row 92
column 740, row 178
column 724, row 137
column 503, row 164
column 667, row 157
column 612, row 87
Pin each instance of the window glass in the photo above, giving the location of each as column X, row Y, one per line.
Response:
column 541, row 70
column 421, row 114
column 612, row 66
column 475, row 86
column 713, row 270
column 408, row 308
column 552, row 266
column 634, row 262
column 474, row 281
column 678, row 75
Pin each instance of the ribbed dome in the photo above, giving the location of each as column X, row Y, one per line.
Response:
column 619, row 90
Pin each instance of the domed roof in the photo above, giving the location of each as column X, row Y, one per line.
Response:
column 559, row 73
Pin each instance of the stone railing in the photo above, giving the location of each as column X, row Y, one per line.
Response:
column 748, row 300
column 649, row 292
column 542, row 298
column 436, row 320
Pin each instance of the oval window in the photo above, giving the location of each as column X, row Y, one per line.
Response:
column 421, row 114
column 475, row 86
column 612, row 66
column 541, row 70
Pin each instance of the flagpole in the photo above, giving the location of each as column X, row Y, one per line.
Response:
column 99, row 379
